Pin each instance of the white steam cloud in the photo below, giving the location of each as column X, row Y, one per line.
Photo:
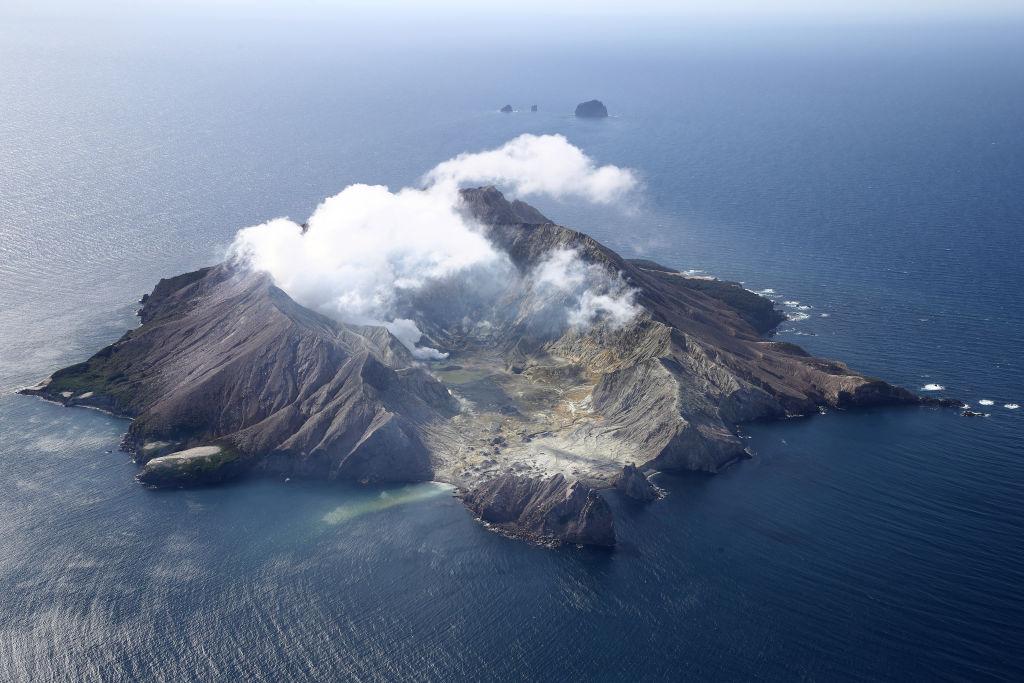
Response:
column 362, row 246
column 367, row 250
column 538, row 165
column 594, row 294
column 409, row 333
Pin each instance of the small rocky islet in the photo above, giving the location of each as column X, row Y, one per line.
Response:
column 228, row 377
column 592, row 109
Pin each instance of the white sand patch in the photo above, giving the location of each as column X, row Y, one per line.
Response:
column 188, row 454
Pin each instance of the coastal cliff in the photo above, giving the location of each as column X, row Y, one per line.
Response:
column 544, row 510
column 227, row 376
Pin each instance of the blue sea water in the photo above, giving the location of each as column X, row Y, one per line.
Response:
column 874, row 175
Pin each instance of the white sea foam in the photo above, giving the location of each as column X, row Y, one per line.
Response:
column 804, row 307
column 765, row 292
column 933, row 387
column 791, row 304
column 1011, row 406
column 986, row 402
column 823, row 315
column 797, row 317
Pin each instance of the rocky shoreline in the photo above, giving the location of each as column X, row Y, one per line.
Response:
column 227, row 377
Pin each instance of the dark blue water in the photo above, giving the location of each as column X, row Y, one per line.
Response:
column 874, row 175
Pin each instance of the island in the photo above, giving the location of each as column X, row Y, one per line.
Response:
column 593, row 109
column 228, row 377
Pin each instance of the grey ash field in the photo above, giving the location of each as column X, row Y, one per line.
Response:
column 227, row 376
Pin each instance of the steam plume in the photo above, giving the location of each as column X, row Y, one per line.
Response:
column 367, row 249
column 537, row 165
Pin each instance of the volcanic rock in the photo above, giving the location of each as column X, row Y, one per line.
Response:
column 634, row 484
column 197, row 466
column 593, row 109
column 544, row 510
column 224, row 358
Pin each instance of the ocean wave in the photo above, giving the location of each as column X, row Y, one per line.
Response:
column 986, row 402
column 791, row 304
column 1011, row 406
column 933, row 387
column 797, row 317
column 823, row 315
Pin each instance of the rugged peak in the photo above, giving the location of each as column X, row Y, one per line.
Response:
column 527, row 236
column 489, row 206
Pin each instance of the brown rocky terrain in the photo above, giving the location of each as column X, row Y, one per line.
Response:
column 227, row 376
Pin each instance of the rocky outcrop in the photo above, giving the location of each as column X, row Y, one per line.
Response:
column 634, row 484
column 489, row 206
column 593, row 109
column 533, row 107
column 199, row 466
column 544, row 510
column 507, row 109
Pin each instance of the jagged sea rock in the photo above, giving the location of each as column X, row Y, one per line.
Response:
column 634, row 484
column 592, row 109
column 544, row 510
column 533, row 107
column 507, row 109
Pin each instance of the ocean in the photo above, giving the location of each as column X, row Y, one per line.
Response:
column 871, row 178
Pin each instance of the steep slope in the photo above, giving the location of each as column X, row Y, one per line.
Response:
column 544, row 510
column 225, row 357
